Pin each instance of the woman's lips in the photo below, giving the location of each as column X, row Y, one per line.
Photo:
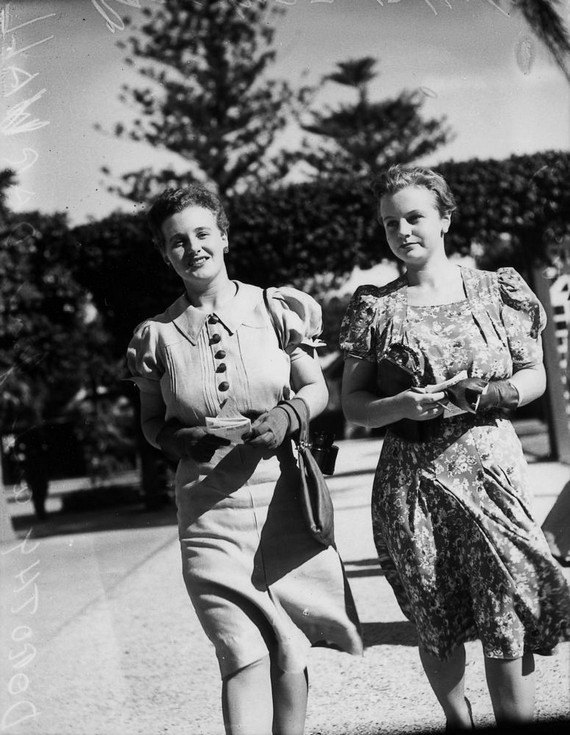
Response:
column 197, row 263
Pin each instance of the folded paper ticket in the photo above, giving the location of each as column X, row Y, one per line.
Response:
column 228, row 427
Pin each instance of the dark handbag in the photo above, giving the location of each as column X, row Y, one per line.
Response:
column 396, row 372
column 314, row 493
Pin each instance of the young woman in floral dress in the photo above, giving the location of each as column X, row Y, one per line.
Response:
column 452, row 516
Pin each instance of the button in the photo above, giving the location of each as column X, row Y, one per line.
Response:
column 223, row 386
column 215, row 338
column 221, row 368
column 220, row 354
column 213, row 319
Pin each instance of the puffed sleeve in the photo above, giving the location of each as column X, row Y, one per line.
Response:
column 143, row 360
column 297, row 318
column 524, row 318
column 357, row 330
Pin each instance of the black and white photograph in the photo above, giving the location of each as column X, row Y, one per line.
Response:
column 284, row 367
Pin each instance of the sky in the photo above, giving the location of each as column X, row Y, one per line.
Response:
column 475, row 61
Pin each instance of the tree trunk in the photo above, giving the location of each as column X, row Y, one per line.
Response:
column 7, row 533
column 154, row 484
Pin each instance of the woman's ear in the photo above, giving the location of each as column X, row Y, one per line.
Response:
column 446, row 222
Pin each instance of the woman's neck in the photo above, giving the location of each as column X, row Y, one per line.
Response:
column 435, row 283
column 213, row 296
column 431, row 273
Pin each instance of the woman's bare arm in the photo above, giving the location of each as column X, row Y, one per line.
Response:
column 530, row 383
column 308, row 382
column 362, row 405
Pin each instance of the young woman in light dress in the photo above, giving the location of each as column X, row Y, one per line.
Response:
column 264, row 590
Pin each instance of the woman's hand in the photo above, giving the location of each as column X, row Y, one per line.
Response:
column 363, row 406
column 480, row 396
column 420, row 405
column 179, row 442
column 269, row 430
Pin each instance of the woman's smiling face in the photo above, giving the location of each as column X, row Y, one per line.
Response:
column 194, row 245
column 413, row 224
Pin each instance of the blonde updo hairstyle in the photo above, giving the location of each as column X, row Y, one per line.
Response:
column 399, row 177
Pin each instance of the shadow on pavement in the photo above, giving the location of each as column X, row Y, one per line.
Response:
column 363, row 568
column 556, row 527
column 535, row 440
column 546, row 727
column 63, row 522
column 354, row 473
column 400, row 633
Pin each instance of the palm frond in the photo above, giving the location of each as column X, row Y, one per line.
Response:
column 354, row 72
column 545, row 21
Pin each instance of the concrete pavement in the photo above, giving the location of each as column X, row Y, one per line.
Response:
column 99, row 638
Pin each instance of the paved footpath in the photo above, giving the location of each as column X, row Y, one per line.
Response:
column 98, row 636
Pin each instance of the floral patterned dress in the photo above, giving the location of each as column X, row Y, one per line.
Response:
column 452, row 517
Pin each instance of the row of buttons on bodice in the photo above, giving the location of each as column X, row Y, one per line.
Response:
column 219, row 354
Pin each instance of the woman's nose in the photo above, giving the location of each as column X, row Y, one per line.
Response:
column 404, row 228
column 193, row 245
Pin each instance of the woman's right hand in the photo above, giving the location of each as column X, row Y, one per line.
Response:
column 419, row 405
column 180, row 442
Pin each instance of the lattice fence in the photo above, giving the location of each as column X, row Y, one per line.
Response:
column 560, row 299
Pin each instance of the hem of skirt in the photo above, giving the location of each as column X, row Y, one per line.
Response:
column 513, row 657
column 355, row 649
column 538, row 650
column 288, row 662
column 230, row 663
column 449, row 650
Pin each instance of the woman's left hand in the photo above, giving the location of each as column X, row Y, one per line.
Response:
column 479, row 396
column 269, row 430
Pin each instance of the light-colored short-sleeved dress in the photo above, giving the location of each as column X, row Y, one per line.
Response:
column 452, row 517
column 258, row 581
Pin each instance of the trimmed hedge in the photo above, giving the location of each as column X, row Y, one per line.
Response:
column 512, row 208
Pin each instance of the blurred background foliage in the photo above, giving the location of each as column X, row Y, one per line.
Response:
column 70, row 297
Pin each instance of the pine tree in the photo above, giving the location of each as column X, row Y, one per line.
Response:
column 208, row 98
column 365, row 137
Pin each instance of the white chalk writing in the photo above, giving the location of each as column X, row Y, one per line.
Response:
column 113, row 20
column 23, row 652
column 18, row 120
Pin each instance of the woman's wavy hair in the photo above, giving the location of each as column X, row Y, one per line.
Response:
column 398, row 177
column 172, row 201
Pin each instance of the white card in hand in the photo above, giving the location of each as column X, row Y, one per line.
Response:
column 231, row 428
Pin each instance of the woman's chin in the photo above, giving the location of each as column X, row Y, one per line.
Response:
column 414, row 260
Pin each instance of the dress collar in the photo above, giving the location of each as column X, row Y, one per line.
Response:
column 189, row 320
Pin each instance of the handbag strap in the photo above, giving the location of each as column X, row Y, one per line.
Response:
column 304, row 414
column 272, row 318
